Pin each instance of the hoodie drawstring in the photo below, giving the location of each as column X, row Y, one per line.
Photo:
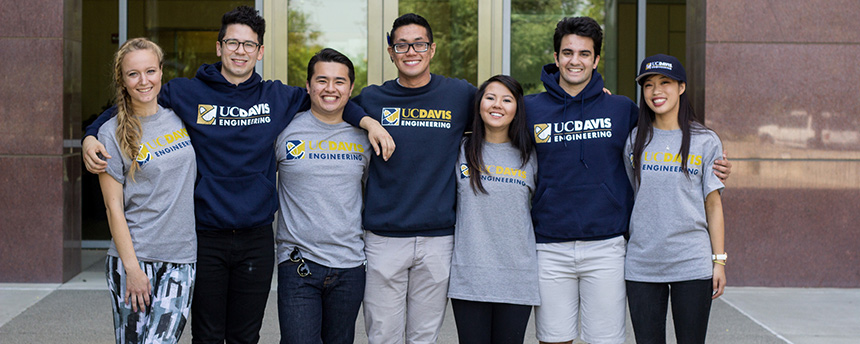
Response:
column 564, row 116
column 581, row 142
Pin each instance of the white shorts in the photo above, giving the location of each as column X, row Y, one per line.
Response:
column 582, row 277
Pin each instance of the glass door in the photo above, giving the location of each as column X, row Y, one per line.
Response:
column 185, row 29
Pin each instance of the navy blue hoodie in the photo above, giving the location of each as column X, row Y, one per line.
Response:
column 233, row 129
column 414, row 192
column 582, row 190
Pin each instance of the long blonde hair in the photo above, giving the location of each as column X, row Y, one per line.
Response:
column 128, row 130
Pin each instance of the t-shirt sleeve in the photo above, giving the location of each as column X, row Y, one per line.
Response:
column 93, row 129
column 115, row 165
column 627, row 157
column 280, row 146
column 713, row 150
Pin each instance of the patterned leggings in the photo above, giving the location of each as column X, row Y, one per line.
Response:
column 164, row 319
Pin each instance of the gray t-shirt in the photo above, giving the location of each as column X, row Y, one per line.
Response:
column 159, row 202
column 321, row 172
column 495, row 259
column 669, row 240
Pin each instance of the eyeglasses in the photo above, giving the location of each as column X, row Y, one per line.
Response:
column 419, row 47
column 296, row 257
column 233, row 45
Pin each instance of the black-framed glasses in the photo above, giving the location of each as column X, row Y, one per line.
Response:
column 233, row 45
column 419, row 47
column 296, row 257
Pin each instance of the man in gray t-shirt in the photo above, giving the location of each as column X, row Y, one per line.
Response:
column 322, row 166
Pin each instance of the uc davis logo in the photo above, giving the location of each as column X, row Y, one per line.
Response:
column 295, row 149
column 143, row 156
column 390, row 116
column 542, row 133
column 206, row 114
column 464, row 171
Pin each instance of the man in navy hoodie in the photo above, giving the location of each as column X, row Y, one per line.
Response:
column 582, row 202
column 233, row 118
column 409, row 199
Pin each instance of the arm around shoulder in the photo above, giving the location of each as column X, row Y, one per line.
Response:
column 93, row 152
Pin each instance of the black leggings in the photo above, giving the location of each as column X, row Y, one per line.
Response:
column 488, row 322
column 691, row 307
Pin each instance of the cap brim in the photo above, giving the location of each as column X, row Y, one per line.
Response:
column 645, row 75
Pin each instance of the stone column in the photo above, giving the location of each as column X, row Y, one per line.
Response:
column 40, row 116
column 779, row 81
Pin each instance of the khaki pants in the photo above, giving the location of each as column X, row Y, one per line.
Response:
column 407, row 287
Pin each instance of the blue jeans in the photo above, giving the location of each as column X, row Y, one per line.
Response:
column 321, row 307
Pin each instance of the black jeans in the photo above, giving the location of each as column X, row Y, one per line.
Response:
column 691, row 307
column 234, row 277
column 489, row 322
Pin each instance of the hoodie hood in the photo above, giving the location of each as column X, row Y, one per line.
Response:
column 211, row 75
column 550, row 76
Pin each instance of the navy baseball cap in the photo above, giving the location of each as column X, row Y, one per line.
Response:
column 661, row 64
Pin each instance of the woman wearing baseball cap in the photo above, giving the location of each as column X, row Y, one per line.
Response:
column 676, row 244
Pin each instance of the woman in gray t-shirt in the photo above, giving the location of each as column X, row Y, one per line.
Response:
column 148, row 188
column 676, row 244
column 494, row 278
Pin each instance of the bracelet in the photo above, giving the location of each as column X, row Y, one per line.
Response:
column 720, row 262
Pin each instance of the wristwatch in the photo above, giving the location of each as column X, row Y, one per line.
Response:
column 720, row 256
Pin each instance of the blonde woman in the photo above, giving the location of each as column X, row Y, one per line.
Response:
column 148, row 188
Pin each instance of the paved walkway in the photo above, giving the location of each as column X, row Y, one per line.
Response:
column 79, row 311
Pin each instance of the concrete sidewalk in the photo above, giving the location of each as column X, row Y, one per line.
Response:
column 79, row 311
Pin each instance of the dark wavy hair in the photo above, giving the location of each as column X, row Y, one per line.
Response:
column 331, row 55
column 518, row 131
column 246, row 15
column 580, row 26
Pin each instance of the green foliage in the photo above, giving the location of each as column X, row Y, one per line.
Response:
column 532, row 25
column 301, row 46
column 455, row 32
column 303, row 42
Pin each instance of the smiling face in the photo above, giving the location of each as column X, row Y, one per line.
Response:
column 662, row 94
column 576, row 62
column 141, row 77
column 237, row 65
column 498, row 108
column 413, row 67
column 329, row 89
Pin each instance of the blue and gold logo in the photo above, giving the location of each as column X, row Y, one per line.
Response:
column 295, row 149
column 143, row 156
column 464, row 171
column 206, row 114
column 390, row 116
column 542, row 133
